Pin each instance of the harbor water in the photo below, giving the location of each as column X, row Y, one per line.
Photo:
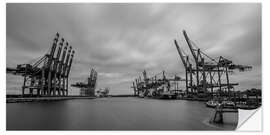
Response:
column 117, row 113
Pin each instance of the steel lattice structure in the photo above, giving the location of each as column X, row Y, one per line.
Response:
column 207, row 73
column 48, row 76
column 155, row 86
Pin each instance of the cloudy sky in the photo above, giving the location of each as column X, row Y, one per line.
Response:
column 121, row 40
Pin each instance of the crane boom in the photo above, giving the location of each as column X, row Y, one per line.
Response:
column 190, row 46
column 56, row 62
column 180, row 53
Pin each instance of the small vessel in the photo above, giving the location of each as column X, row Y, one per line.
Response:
column 225, row 104
column 167, row 95
column 211, row 103
column 228, row 104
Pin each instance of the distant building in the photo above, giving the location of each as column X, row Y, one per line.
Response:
column 103, row 92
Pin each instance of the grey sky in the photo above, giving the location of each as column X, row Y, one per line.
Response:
column 121, row 40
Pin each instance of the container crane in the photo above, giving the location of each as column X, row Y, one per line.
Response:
column 209, row 74
column 44, row 76
column 89, row 85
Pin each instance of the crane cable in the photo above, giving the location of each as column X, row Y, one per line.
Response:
column 212, row 59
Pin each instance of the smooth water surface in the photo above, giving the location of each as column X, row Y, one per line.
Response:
column 128, row 113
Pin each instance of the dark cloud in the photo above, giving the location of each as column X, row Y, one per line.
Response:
column 121, row 40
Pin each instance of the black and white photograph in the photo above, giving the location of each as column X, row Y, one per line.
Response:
column 132, row 66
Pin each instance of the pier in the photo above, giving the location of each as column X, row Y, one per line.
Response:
column 219, row 111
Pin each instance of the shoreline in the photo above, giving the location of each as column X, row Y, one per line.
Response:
column 28, row 98
column 42, row 99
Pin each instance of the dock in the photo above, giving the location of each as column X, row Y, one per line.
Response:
column 44, row 99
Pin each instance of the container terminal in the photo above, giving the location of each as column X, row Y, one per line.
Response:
column 206, row 79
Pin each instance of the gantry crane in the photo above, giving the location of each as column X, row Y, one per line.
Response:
column 209, row 74
column 151, row 86
column 89, row 85
column 48, row 76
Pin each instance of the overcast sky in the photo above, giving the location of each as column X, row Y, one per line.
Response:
column 121, row 40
